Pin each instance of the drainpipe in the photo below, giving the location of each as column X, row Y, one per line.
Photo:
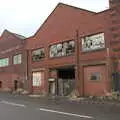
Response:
column 77, row 64
column 26, row 75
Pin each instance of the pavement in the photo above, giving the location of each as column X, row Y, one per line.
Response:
column 22, row 107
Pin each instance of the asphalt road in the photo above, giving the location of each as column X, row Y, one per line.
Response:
column 15, row 107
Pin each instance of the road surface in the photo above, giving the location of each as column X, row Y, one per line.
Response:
column 15, row 107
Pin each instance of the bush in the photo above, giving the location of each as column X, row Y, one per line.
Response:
column 112, row 96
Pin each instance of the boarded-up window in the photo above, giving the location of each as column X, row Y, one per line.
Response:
column 17, row 59
column 37, row 78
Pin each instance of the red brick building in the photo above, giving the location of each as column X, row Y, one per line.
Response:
column 12, row 61
column 72, row 50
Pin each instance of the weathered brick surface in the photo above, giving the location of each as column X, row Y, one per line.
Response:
column 61, row 25
column 11, row 45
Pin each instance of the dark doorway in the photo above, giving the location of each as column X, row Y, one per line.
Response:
column 0, row 84
column 66, row 81
column 66, row 73
column 52, row 87
column 116, row 81
column 15, row 85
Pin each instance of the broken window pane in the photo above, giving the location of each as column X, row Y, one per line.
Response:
column 62, row 49
column 38, row 54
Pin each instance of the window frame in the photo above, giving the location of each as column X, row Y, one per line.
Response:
column 89, row 38
column 17, row 59
column 39, row 54
column 2, row 64
column 95, row 74
column 61, row 43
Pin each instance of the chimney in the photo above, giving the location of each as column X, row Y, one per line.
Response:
column 115, row 19
column 114, row 3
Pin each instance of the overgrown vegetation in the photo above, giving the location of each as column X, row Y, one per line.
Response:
column 108, row 96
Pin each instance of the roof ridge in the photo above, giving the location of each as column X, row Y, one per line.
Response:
column 79, row 8
column 15, row 34
column 60, row 3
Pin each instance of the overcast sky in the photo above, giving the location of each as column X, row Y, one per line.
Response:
column 26, row 16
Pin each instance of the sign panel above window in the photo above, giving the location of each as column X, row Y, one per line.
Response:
column 62, row 49
column 93, row 42
column 38, row 54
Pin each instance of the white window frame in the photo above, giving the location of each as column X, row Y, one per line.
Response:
column 37, row 79
column 17, row 59
column 4, row 62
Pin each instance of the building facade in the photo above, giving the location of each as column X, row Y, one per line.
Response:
column 74, row 49
column 12, row 61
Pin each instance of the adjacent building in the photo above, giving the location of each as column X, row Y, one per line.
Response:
column 12, row 61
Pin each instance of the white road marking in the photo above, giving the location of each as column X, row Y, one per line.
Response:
column 47, row 110
column 14, row 104
column 65, row 113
